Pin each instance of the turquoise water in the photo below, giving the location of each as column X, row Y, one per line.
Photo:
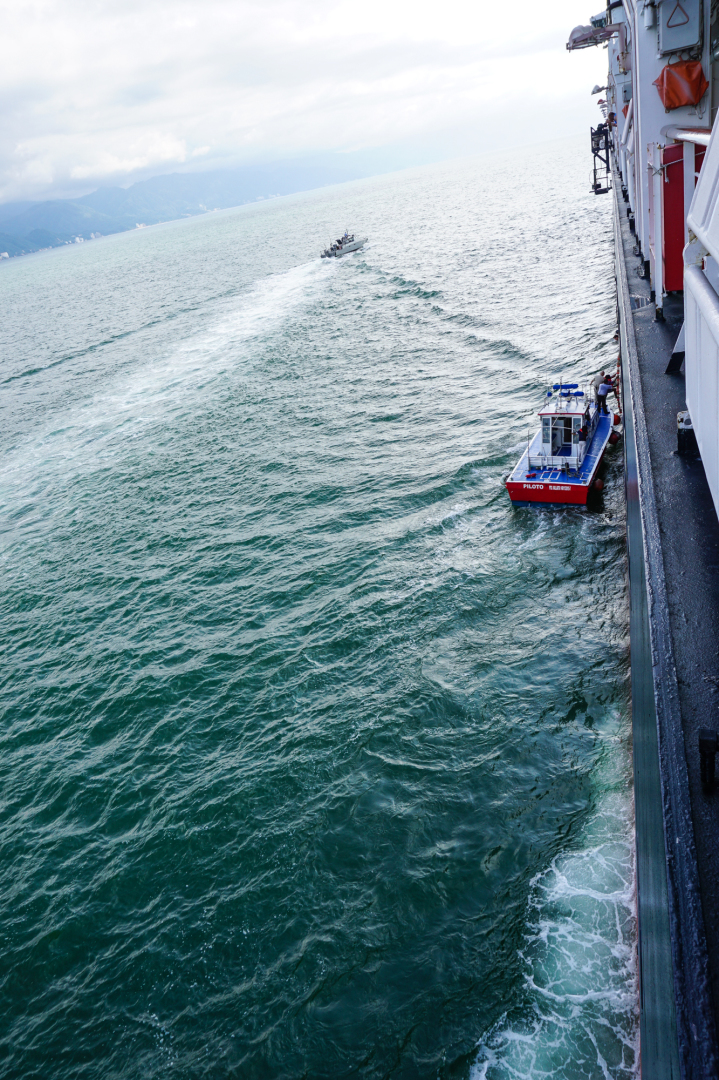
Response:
column 315, row 753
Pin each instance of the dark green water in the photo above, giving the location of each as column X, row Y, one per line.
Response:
column 314, row 751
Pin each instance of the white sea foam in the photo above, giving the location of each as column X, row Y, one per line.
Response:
column 262, row 310
column 578, row 1010
column 88, row 432
column 455, row 511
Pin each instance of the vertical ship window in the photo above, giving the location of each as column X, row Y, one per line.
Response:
column 546, row 429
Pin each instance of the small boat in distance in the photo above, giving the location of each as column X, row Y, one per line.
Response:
column 343, row 246
column 561, row 461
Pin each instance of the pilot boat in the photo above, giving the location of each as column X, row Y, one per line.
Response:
column 343, row 246
column 560, row 463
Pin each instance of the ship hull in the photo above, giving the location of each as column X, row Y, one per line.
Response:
column 526, row 492
column 346, row 250
column 350, row 247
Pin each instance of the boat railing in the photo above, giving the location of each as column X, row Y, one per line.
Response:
column 549, row 461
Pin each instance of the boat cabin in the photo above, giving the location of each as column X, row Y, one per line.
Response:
column 568, row 423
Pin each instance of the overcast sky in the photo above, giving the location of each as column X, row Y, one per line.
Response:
column 93, row 92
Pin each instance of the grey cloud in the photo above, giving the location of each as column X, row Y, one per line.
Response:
column 98, row 93
column 139, row 94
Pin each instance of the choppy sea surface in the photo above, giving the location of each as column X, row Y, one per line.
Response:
column 314, row 752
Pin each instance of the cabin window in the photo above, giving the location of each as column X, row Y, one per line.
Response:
column 546, row 429
column 576, row 424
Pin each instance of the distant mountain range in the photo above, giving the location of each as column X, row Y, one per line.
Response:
column 31, row 226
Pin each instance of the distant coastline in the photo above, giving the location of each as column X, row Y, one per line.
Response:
column 26, row 227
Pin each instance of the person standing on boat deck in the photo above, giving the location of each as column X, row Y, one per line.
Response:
column 583, row 432
column 596, row 383
column 613, row 382
column 604, row 389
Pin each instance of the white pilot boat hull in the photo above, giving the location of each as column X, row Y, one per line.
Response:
column 355, row 245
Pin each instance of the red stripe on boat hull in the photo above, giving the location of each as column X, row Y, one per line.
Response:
column 548, row 491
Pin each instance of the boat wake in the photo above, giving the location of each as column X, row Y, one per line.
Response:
column 149, row 393
column 579, row 1014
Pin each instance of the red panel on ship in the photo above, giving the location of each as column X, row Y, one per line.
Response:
column 673, row 212
column 673, row 216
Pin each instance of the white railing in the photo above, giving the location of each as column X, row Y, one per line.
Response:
column 547, row 461
column 701, row 315
column 701, row 358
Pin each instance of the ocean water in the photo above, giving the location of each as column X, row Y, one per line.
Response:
column 315, row 753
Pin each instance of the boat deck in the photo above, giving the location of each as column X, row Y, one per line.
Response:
column 587, row 468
